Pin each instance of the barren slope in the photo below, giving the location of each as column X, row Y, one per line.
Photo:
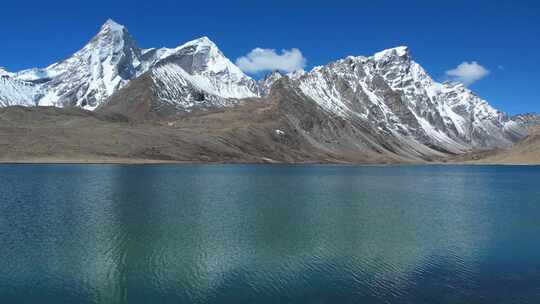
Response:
column 282, row 128
column 524, row 152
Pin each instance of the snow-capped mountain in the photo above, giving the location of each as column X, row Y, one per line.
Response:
column 527, row 119
column 92, row 74
column 4, row 72
column 112, row 58
column 394, row 94
column 195, row 75
column 388, row 97
column 198, row 74
column 265, row 84
column 14, row 92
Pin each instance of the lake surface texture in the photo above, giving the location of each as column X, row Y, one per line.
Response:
column 269, row 234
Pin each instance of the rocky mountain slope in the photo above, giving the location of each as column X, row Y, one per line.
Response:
column 526, row 151
column 396, row 96
column 381, row 108
column 387, row 97
column 281, row 128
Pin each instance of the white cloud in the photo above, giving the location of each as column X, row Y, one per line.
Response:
column 468, row 73
column 259, row 60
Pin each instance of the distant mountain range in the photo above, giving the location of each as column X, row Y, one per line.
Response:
column 383, row 107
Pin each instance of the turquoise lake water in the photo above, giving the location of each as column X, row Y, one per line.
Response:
column 269, row 234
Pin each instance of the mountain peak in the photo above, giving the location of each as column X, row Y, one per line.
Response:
column 111, row 29
column 4, row 72
column 112, row 36
column 400, row 51
column 111, row 24
column 210, row 58
column 274, row 74
column 92, row 74
column 203, row 41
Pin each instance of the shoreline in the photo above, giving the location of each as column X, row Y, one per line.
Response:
column 136, row 161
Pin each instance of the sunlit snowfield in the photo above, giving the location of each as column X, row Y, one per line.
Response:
column 269, row 234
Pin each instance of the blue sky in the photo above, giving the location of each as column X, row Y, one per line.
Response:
column 503, row 37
